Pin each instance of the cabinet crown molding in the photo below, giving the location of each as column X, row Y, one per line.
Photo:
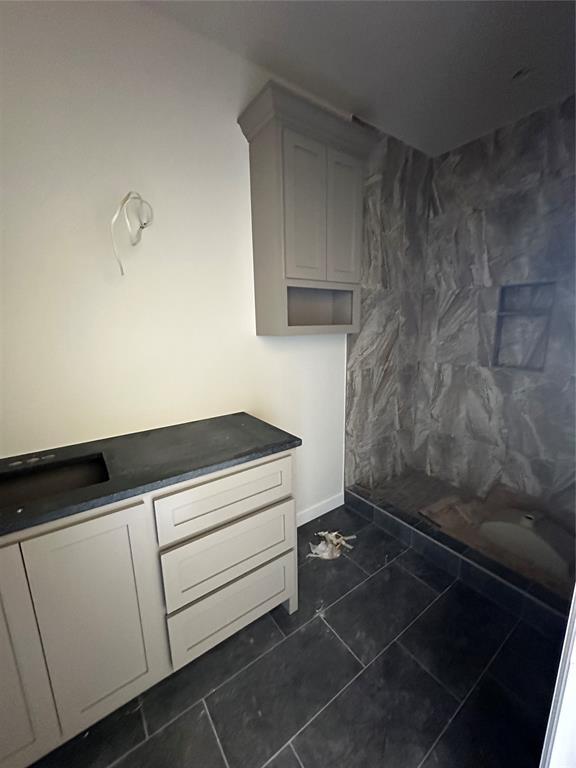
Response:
column 300, row 114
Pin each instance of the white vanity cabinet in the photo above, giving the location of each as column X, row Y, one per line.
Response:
column 98, row 607
column 306, row 187
column 28, row 722
column 97, row 595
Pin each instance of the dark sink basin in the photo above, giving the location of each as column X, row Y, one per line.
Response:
column 41, row 481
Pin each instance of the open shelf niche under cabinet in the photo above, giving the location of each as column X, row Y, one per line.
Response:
column 306, row 181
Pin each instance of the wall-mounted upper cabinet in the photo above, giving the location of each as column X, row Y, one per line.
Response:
column 306, row 177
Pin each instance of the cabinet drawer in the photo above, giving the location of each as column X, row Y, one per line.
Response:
column 210, row 561
column 187, row 513
column 206, row 623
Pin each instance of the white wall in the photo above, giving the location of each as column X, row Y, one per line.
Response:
column 100, row 98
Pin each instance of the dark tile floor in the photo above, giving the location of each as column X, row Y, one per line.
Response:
column 390, row 663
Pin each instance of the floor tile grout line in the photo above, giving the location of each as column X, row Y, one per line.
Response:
column 316, row 714
column 296, row 629
column 117, row 760
column 277, row 644
column 452, row 695
column 407, row 570
column 149, row 735
column 143, row 714
column 163, row 727
column 360, row 583
column 413, row 528
column 349, row 683
column 327, row 607
column 282, row 640
column 517, row 698
column 463, row 558
column 337, row 636
column 202, row 698
column 265, row 653
column 269, row 760
column 307, row 561
column 320, row 613
column 278, row 627
column 470, row 692
column 524, row 595
column 420, row 614
column 399, row 554
column 349, row 559
column 220, row 747
column 364, row 519
column 327, row 704
column 364, row 571
column 116, row 763
column 296, row 755
column 357, row 495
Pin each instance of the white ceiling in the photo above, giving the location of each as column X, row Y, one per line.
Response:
column 435, row 74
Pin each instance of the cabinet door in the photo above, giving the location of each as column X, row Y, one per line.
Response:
column 28, row 722
column 304, row 207
column 97, row 593
column 345, row 203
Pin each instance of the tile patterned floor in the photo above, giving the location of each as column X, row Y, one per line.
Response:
column 390, row 663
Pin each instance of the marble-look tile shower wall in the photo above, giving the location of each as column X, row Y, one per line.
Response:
column 442, row 236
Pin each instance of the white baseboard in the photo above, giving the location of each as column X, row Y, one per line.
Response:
column 305, row 515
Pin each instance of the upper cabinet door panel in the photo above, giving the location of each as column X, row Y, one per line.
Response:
column 344, row 246
column 304, row 207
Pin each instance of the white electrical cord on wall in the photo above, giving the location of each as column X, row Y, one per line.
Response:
column 142, row 213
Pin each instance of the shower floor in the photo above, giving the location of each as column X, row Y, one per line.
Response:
column 435, row 505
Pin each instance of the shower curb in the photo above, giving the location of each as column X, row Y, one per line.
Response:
column 518, row 595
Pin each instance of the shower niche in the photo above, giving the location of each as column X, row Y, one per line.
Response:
column 523, row 326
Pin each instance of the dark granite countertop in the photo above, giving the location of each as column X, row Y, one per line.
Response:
column 145, row 461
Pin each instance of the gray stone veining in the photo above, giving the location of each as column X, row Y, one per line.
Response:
column 442, row 236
